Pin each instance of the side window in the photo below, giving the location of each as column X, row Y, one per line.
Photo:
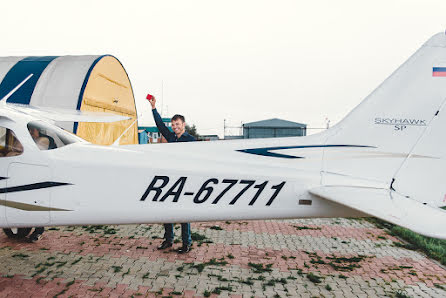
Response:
column 49, row 137
column 9, row 144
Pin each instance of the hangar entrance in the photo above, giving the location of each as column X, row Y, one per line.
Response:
column 86, row 83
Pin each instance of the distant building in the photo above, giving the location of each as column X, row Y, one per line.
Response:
column 152, row 132
column 273, row 128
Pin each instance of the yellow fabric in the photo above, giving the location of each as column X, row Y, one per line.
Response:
column 109, row 90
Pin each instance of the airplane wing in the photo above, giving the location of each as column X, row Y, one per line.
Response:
column 390, row 206
column 66, row 115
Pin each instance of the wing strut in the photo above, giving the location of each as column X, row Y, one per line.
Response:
column 5, row 98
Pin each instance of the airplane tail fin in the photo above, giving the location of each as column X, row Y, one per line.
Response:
column 402, row 124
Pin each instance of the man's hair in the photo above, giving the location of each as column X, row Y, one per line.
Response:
column 178, row 117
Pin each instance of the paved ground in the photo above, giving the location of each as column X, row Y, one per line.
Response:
column 304, row 258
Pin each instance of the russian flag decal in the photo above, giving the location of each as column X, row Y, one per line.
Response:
column 439, row 71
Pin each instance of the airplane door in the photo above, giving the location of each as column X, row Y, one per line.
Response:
column 27, row 200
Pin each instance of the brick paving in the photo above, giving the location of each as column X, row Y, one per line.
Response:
column 286, row 258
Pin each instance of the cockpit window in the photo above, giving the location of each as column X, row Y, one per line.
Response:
column 9, row 144
column 48, row 137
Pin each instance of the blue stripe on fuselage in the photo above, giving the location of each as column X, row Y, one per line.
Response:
column 266, row 151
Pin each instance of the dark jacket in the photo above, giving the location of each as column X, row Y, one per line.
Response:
column 169, row 135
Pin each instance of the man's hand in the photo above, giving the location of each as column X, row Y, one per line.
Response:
column 152, row 100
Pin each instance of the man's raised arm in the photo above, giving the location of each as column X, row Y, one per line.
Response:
column 170, row 136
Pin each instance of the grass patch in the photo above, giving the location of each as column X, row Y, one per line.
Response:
column 259, row 268
column 248, row 281
column 67, row 285
column 401, row 294
column 200, row 239
column 200, row 266
column 409, row 246
column 116, row 269
column 218, row 290
column 440, row 287
column 315, row 258
column 106, row 230
column 125, row 273
column 76, row 261
column 434, row 248
column 337, row 263
column 345, row 264
column 197, row 237
column 306, row 228
column 273, row 282
column 219, row 277
column 314, row 278
column 61, row 263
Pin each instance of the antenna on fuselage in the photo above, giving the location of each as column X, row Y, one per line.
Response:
column 5, row 98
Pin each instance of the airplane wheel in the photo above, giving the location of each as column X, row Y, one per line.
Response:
column 17, row 233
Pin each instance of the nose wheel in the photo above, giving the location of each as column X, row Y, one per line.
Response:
column 17, row 233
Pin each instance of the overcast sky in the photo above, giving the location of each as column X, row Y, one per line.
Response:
column 242, row 61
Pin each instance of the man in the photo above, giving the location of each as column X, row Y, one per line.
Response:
column 179, row 134
column 43, row 141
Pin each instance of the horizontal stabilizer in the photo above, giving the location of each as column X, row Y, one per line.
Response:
column 389, row 206
column 66, row 115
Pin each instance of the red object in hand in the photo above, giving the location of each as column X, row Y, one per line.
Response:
column 149, row 97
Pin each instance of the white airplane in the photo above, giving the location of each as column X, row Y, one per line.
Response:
column 385, row 159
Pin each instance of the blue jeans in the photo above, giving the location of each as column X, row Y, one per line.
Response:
column 185, row 233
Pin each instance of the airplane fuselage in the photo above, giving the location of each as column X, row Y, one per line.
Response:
column 89, row 184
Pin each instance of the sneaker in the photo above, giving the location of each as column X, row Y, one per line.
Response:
column 34, row 237
column 165, row 244
column 184, row 249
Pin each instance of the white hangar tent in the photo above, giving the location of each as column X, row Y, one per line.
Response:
column 86, row 83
